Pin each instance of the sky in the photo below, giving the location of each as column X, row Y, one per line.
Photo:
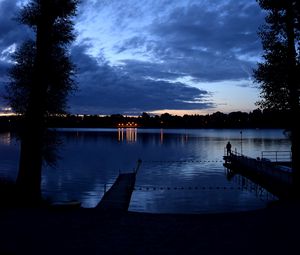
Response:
column 155, row 56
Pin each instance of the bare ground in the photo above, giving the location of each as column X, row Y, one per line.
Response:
column 274, row 230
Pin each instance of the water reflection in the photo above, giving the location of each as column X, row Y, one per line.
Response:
column 130, row 134
column 120, row 134
column 250, row 186
column 5, row 138
column 92, row 158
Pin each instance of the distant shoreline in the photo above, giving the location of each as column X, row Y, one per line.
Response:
column 235, row 120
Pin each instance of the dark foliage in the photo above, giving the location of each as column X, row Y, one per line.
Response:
column 274, row 74
column 40, row 82
column 278, row 76
column 43, row 73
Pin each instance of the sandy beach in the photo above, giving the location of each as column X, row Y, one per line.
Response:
column 274, row 230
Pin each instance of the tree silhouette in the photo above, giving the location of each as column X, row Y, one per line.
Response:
column 40, row 82
column 278, row 76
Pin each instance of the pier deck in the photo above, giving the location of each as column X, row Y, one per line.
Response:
column 273, row 176
column 119, row 195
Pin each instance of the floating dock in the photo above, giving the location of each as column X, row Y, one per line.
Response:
column 276, row 177
column 118, row 197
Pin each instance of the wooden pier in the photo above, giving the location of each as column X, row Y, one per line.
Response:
column 118, row 197
column 276, row 177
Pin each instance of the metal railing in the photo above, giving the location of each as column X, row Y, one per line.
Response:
column 263, row 166
column 277, row 156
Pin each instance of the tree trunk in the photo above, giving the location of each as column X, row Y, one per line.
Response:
column 30, row 166
column 32, row 138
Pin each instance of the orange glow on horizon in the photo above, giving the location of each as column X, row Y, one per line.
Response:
column 184, row 112
column 2, row 114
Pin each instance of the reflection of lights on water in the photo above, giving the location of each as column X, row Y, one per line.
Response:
column 120, row 134
column 184, row 138
column 5, row 138
column 161, row 136
column 130, row 133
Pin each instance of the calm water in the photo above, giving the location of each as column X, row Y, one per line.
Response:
column 182, row 170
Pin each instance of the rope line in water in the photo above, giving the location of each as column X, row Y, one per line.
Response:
column 178, row 188
column 259, row 191
column 183, row 161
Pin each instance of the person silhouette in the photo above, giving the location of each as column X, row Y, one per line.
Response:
column 228, row 148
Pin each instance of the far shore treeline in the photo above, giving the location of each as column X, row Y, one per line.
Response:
column 254, row 119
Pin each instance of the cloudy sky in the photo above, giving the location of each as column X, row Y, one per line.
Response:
column 179, row 56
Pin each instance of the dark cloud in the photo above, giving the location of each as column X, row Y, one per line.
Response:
column 11, row 35
column 10, row 30
column 201, row 40
column 106, row 89
column 146, row 69
column 4, row 65
column 206, row 43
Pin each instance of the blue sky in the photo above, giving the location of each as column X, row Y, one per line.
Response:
column 179, row 56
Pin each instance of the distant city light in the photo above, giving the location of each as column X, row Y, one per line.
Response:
column 127, row 125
